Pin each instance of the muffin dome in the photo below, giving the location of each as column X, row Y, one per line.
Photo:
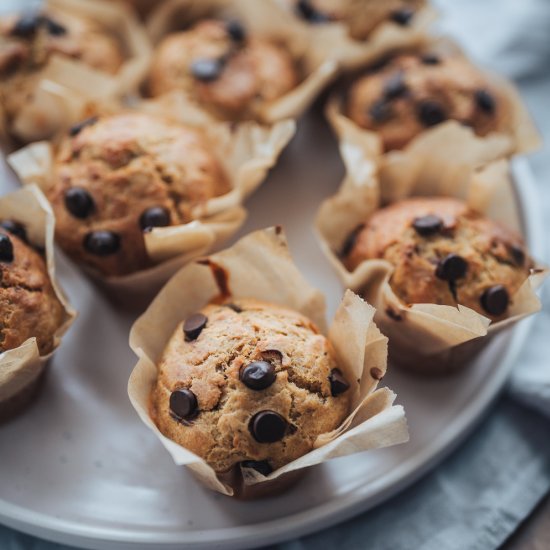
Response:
column 360, row 16
column 118, row 176
column 443, row 253
column 248, row 383
column 222, row 68
column 29, row 306
column 410, row 93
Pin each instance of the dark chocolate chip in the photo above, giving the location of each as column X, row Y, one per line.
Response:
column 156, row 216
column 338, row 384
column 403, row 16
column 102, row 243
column 431, row 113
column 518, row 254
column 258, row 375
column 350, row 241
column 380, row 111
column 54, row 28
column 308, row 12
column 495, row 300
column 395, row 86
column 235, row 30
column 79, row 202
column 376, row 373
column 77, row 128
column 206, row 70
column 430, row 59
column 15, row 228
column 451, row 268
column 261, row 466
column 485, row 101
column 183, row 403
column 427, row 225
column 6, row 249
column 267, row 427
column 27, row 25
column 193, row 326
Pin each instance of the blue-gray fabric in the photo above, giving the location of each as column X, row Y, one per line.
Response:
column 477, row 497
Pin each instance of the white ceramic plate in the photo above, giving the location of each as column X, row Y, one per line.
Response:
column 79, row 468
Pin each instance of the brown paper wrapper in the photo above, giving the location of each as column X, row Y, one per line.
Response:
column 264, row 19
column 68, row 90
column 22, row 368
column 423, row 337
column 259, row 266
column 332, row 41
column 247, row 152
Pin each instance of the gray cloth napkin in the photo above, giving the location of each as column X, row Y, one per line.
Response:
column 476, row 498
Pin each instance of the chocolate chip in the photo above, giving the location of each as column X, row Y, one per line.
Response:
column 77, row 128
column 183, row 404
column 485, row 101
column 6, row 249
column 431, row 113
column 235, row 30
column 27, row 25
column 193, row 326
column 518, row 254
column 403, row 16
column 395, row 86
column 102, row 243
column 427, row 225
column 350, row 241
column 15, row 228
column 495, row 300
column 393, row 314
column 451, row 268
column 338, row 384
column 308, row 12
column 206, row 70
column 376, row 373
column 79, row 202
column 261, row 466
column 156, row 216
column 430, row 59
column 267, row 427
column 54, row 28
column 258, row 375
column 380, row 111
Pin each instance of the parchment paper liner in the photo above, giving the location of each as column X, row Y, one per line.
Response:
column 332, row 41
column 424, row 337
column 447, row 145
column 259, row 266
column 69, row 90
column 247, row 152
column 262, row 18
column 21, row 368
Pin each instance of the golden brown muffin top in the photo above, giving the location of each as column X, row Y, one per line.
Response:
column 411, row 93
column 248, row 382
column 443, row 253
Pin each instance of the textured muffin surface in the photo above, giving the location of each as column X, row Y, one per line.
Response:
column 360, row 16
column 223, row 69
column 418, row 236
column 411, row 93
column 213, row 365
column 28, row 304
column 122, row 175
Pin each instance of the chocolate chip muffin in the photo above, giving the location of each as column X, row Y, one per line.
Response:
column 413, row 92
column 223, row 68
column 248, row 383
column 444, row 253
column 360, row 16
column 119, row 176
column 28, row 41
column 29, row 306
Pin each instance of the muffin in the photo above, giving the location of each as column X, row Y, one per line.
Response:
column 360, row 16
column 248, row 383
column 222, row 68
column 412, row 92
column 28, row 303
column 443, row 253
column 28, row 41
column 116, row 177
